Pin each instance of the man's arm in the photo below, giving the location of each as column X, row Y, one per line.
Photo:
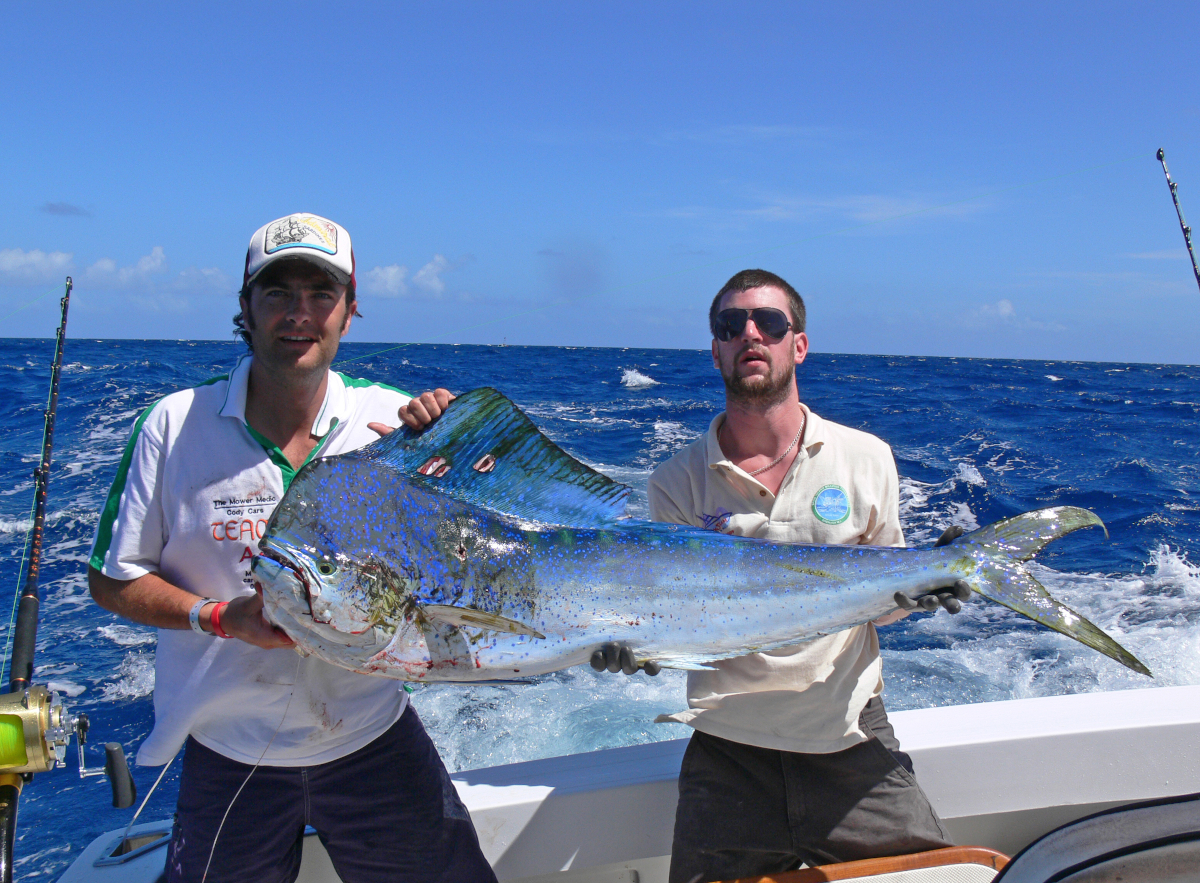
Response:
column 151, row 600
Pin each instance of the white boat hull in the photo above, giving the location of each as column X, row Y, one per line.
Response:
column 1000, row 774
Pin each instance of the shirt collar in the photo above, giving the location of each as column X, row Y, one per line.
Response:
column 333, row 409
column 814, row 438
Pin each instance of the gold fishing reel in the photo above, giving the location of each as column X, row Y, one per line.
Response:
column 35, row 730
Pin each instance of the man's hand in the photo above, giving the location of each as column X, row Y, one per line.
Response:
column 950, row 597
column 616, row 657
column 420, row 411
column 243, row 619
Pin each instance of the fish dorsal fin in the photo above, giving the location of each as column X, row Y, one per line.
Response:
column 483, row 450
column 477, row 619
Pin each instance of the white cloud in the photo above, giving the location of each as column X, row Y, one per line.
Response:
column 389, row 281
column 1003, row 313
column 105, row 273
column 203, row 280
column 18, row 267
column 1170, row 254
column 429, row 276
column 863, row 209
column 1002, row 309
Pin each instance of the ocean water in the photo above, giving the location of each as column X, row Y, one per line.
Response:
column 975, row 440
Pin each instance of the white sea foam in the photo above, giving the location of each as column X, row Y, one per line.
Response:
column 127, row 636
column 1053, row 378
column 67, row 688
column 567, row 712
column 987, row 653
column 968, row 473
column 632, row 378
column 135, row 678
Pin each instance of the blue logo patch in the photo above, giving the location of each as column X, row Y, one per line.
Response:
column 831, row 505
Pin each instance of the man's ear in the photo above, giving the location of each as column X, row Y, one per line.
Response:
column 716, row 361
column 801, row 347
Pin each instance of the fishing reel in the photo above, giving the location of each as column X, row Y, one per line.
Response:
column 35, row 730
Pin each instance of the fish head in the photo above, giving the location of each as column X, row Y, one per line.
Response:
column 323, row 557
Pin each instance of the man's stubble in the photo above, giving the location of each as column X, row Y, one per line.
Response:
column 764, row 391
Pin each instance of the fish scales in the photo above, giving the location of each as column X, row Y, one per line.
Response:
column 479, row 550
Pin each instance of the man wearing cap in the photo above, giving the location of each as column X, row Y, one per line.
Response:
column 274, row 741
column 792, row 759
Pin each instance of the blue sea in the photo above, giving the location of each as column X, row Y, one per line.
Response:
column 975, row 440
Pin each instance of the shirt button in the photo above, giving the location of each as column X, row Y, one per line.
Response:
column 762, row 493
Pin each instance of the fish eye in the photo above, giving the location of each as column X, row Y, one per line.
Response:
column 326, row 568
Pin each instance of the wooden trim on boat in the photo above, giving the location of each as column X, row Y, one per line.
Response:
column 956, row 855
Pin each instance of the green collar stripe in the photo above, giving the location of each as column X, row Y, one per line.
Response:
column 358, row 383
column 278, row 458
column 109, row 514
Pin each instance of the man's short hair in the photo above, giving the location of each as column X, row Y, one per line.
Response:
column 239, row 321
column 747, row 279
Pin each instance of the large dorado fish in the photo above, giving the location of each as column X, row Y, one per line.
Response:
column 479, row 550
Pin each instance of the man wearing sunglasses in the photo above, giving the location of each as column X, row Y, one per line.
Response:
column 792, row 759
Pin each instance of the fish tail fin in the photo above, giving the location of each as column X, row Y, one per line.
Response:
column 1023, row 536
column 1001, row 576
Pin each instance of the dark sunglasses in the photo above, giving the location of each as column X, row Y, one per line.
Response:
column 769, row 321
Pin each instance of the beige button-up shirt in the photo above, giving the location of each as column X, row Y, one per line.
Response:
column 841, row 489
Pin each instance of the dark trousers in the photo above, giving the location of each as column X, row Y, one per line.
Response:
column 385, row 812
column 745, row 811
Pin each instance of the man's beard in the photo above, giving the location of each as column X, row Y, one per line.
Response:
column 764, row 392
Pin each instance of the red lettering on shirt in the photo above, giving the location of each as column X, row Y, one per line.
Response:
column 245, row 555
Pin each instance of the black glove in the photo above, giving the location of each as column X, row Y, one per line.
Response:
column 616, row 657
column 950, row 597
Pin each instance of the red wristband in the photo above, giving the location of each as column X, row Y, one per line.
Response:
column 215, row 620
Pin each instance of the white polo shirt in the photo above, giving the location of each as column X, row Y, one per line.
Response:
column 192, row 496
column 842, row 489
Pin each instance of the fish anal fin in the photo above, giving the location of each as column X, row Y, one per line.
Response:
column 479, row 619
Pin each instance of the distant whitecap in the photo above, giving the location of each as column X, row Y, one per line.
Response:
column 1053, row 377
column 68, row 688
column 632, row 378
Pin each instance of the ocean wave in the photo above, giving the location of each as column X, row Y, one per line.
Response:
column 127, row 636
column 67, row 688
column 135, row 678
column 631, row 378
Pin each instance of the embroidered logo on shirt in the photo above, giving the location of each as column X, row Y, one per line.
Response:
column 718, row 521
column 831, row 505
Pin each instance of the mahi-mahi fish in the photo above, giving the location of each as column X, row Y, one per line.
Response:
column 480, row 551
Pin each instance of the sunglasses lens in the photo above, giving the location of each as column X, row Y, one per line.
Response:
column 730, row 323
column 770, row 322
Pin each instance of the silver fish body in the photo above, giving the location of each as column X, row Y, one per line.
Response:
column 375, row 563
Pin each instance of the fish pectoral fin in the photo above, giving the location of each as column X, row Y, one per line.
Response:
column 685, row 665
column 479, row 619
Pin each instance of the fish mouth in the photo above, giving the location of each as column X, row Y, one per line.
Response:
column 287, row 564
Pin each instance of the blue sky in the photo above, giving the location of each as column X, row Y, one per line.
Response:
column 936, row 179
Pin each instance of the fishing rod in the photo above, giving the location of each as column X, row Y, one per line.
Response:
column 35, row 727
column 1187, row 231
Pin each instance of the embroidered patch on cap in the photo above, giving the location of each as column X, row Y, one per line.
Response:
column 831, row 505
column 296, row 231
